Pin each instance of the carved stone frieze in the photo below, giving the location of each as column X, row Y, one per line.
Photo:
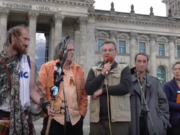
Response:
column 83, row 20
column 86, row 3
column 32, row 15
column 138, row 20
column 113, row 33
column 133, row 35
column 58, row 17
column 153, row 37
column 172, row 38
column 4, row 13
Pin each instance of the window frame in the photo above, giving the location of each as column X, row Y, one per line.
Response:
column 97, row 48
column 159, row 49
column 144, row 46
column 178, row 45
column 165, row 75
column 123, row 40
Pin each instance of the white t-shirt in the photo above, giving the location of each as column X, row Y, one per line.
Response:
column 24, row 69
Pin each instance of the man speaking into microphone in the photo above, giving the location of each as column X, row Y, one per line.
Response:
column 109, row 84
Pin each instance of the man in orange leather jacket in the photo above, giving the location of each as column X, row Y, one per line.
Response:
column 74, row 86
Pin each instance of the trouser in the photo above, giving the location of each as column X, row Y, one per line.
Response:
column 174, row 130
column 5, row 127
column 57, row 129
column 5, row 123
column 143, row 126
column 102, row 128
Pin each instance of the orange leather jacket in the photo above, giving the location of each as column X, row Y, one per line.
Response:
column 46, row 79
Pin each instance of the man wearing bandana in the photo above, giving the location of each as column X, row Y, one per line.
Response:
column 18, row 89
column 74, row 83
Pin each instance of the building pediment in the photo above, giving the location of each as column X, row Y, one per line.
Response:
column 102, row 34
column 143, row 38
column 122, row 36
column 162, row 39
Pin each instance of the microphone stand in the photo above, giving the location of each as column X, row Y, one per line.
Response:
column 66, row 114
column 61, row 79
column 145, row 107
column 58, row 78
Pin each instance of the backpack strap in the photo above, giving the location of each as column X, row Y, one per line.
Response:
column 6, row 71
column 29, row 62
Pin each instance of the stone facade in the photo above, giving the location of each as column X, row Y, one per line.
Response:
column 173, row 6
column 87, row 26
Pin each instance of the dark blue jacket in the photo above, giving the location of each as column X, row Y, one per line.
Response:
column 171, row 89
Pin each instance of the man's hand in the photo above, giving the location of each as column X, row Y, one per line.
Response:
column 50, row 112
column 107, row 67
column 97, row 93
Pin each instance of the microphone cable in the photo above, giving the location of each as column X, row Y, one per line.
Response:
column 108, row 102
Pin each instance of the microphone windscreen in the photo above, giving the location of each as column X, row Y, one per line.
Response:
column 110, row 59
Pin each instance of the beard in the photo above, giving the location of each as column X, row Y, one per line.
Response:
column 19, row 49
column 70, row 58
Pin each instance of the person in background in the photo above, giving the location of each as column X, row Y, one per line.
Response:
column 155, row 98
column 172, row 90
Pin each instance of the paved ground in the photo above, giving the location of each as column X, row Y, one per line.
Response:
column 38, row 125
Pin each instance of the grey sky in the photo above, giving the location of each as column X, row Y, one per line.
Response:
column 140, row 6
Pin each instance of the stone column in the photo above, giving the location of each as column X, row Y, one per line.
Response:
column 113, row 35
column 90, row 43
column 76, row 42
column 32, row 33
column 3, row 26
column 82, row 57
column 47, row 47
column 133, row 47
column 51, row 41
column 58, row 19
column 153, row 68
column 171, row 55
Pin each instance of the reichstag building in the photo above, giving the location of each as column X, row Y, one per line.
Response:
column 158, row 37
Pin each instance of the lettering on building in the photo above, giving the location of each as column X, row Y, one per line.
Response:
column 42, row 8
column 26, row 6
column 17, row 5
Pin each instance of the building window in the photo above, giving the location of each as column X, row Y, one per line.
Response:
column 100, row 42
column 122, row 47
column 161, row 50
column 178, row 51
column 161, row 75
column 142, row 47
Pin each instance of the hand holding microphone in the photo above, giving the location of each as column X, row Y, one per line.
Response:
column 107, row 66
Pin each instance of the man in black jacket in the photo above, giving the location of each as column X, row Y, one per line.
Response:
column 109, row 84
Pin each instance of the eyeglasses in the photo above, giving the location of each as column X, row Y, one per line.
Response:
column 110, row 50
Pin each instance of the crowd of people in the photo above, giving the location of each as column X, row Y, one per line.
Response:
column 123, row 100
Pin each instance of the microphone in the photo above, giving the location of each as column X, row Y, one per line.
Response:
column 109, row 61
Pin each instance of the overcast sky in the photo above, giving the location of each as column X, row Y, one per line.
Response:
column 140, row 6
